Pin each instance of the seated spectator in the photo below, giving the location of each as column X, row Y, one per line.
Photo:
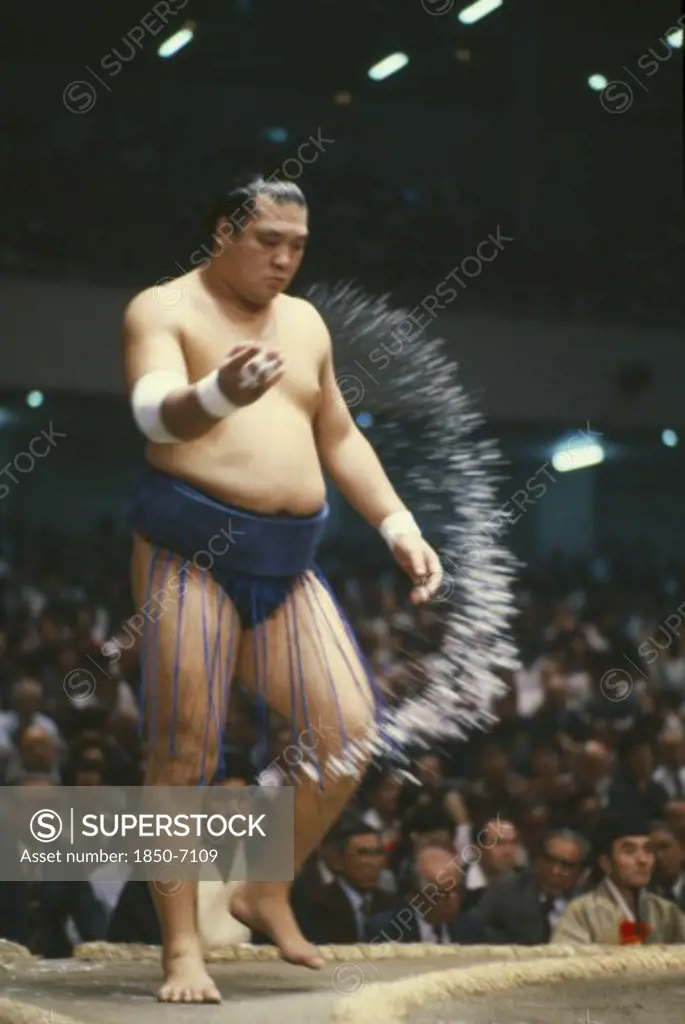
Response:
column 668, row 879
column 522, row 909
column 37, row 755
column 430, row 910
column 41, row 914
column 337, row 912
column 496, row 852
column 380, row 793
column 621, row 910
column 548, row 782
column 428, row 825
column 26, row 701
column 512, row 731
column 670, row 774
column 534, row 821
column 495, row 786
column 634, row 790
column 430, row 771
column 552, row 714
column 592, row 771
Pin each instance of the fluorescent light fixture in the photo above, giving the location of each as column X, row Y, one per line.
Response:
column 568, row 457
column 388, row 66
column 176, row 42
column 474, row 12
column 669, row 438
column 34, row 399
column 597, row 82
column 675, row 39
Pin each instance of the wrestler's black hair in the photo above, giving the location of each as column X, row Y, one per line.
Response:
column 237, row 199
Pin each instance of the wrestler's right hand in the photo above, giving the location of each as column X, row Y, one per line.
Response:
column 240, row 377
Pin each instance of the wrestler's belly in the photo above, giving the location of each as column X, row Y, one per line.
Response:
column 265, row 463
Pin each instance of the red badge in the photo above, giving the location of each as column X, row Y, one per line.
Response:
column 633, row 932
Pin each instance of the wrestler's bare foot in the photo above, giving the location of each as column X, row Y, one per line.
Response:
column 186, row 979
column 271, row 914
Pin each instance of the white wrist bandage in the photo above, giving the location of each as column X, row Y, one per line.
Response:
column 211, row 397
column 147, row 397
column 397, row 524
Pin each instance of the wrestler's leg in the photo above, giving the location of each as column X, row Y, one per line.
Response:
column 188, row 656
column 313, row 676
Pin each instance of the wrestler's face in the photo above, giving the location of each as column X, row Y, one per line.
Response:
column 262, row 259
column 631, row 863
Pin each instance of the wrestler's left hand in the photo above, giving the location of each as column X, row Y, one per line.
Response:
column 420, row 563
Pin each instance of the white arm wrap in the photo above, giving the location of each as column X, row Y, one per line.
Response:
column 146, row 401
column 397, row 524
column 211, row 397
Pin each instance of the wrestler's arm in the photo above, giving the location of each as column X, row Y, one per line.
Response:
column 152, row 343
column 354, row 467
column 347, row 455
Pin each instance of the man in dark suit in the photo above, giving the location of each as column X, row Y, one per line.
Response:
column 523, row 908
column 337, row 912
column 34, row 910
column 669, row 878
column 431, row 912
column 634, row 791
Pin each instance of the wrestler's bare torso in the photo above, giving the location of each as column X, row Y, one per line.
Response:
column 263, row 457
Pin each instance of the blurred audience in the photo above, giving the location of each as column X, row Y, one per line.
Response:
column 482, row 839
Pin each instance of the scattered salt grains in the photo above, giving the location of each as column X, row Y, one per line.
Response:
column 446, row 463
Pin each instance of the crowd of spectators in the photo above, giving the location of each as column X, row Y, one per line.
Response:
column 493, row 836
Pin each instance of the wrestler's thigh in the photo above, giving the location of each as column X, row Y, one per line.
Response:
column 303, row 662
column 190, row 639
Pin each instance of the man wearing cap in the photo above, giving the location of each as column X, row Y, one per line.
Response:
column 620, row 910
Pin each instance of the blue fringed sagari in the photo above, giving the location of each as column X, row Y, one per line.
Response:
column 192, row 534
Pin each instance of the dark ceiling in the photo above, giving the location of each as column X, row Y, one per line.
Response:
column 329, row 44
column 492, row 123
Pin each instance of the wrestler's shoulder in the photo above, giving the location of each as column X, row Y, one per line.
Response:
column 158, row 302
